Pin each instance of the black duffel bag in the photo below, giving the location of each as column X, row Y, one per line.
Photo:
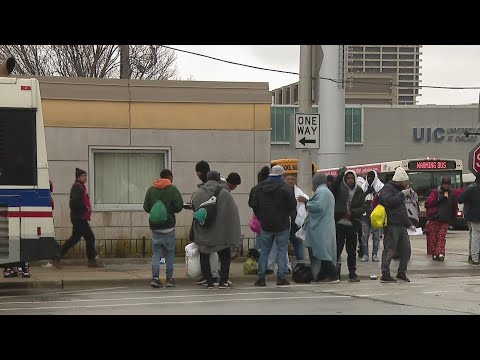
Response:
column 302, row 273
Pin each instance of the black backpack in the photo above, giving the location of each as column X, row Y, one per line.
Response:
column 302, row 273
column 206, row 212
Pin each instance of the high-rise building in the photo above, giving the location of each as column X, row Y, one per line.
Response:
column 402, row 61
column 378, row 74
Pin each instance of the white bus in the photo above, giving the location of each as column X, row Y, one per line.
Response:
column 425, row 175
column 26, row 218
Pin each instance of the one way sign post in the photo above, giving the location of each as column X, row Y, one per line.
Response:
column 307, row 131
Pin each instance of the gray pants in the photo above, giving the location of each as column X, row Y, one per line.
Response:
column 475, row 248
column 395, row 241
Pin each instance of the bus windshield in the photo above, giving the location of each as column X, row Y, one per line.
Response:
column 424, row 182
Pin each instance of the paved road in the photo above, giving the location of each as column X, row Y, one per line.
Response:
column 422, row 296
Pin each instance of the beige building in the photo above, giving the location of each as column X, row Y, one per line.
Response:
column 125, row 132
column 381, row 74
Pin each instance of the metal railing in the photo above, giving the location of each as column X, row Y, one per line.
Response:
column 136, row 248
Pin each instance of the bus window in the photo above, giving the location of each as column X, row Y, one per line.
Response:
column 421, row 182
column 455, row 176
column 18, row 147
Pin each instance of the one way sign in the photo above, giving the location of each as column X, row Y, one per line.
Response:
column 307, row 131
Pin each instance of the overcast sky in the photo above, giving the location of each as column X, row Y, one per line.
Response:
column 444, row 65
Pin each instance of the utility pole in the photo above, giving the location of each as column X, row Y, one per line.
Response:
column 304, row 168
column 125, row 70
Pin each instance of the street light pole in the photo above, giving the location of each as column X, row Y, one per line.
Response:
column 304, row 168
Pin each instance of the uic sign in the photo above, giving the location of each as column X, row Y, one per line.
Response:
column 307, row 131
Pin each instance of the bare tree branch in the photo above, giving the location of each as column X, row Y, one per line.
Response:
column 148, row 62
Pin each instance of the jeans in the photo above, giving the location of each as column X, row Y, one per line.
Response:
column 272, row 257
column 367, row 229
column 475, row 250
column 80, row 228
column 163, row 245
column 266, row 242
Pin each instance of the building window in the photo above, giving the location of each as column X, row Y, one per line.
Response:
column 405, row 99
column 407, row 49
column 389, row 56
column 353, row 125
column 406, row 77
column 406, row 56
column 389, row 49
column 372, row 56
column 389, row 63
column 372, row 49
column 121, row 176
column 356, row 48
column 372, row 63
column 295, row 93
column 355, row 69
column 406, row 63
column 389, row 70
column 287, row 95
column 356, row 56
column 356, row 63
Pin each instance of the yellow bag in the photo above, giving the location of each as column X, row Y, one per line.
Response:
column 378, row 217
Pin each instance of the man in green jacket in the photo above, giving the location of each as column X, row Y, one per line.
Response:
column 349, row 208
column 163, row 235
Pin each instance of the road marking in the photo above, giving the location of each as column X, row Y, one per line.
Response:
column 176, row 302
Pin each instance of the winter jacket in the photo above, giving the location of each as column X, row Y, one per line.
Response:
column 394, row 201
column 80, row 206
column 273, row 202
column 471, row 198
column 164, row 190
column 441, row 208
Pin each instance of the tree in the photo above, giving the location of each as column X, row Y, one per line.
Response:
column 149, row 62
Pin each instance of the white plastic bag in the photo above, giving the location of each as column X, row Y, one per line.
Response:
column 301, row 234
column 192, row 260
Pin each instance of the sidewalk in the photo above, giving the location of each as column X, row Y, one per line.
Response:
column 137, row 272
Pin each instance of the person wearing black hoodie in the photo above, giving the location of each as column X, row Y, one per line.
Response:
column 349, row 209
column 273, row 203
column 80, row 211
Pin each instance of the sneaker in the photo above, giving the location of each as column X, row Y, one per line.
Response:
column 155, row 283
column 387, row 279
column 170, row 283
column 9, row 273
column 260, row 282
column 403, row 277
column 202, row 281
column 210, row 286
column 26, row 273
column 353, row 278
column 223, row 285
column 215, row 282
column 364, row 258
column 470, row 261
column 475, row 263
column 269, row 272
column 283, row 282
column 94, row 264
column 329, row 281
column 375, row 258
column 441, row 257
column 230, row 284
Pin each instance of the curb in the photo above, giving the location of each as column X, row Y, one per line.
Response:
column 144, row 282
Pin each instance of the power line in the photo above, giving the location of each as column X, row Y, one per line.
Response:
column 323, row 78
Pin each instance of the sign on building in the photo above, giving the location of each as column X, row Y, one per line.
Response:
column 307, row 131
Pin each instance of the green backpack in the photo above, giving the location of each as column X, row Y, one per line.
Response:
column 158, row 214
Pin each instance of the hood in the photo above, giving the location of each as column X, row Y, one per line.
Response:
column 161, row 183
column 361, row 181
column 377, row 184
column 349, row 172
column 269, row 185
column 210, row 186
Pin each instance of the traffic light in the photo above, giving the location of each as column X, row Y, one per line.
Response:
column 7, row 67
